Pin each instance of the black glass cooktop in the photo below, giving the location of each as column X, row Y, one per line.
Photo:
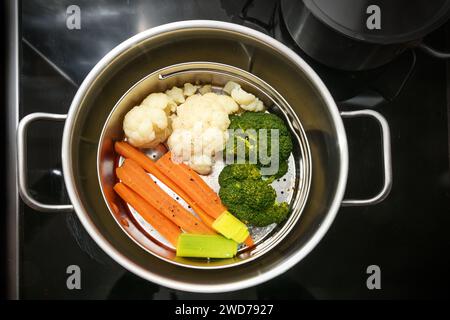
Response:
column 406, row 235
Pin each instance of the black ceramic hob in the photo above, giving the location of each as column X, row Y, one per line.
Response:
column 406, row 235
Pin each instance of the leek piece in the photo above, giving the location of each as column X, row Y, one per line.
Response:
column 231, row 227
column 205, row 246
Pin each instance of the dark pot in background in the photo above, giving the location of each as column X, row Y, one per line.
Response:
column 362, row 34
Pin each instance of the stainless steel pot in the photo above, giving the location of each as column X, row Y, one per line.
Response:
column 223, row 43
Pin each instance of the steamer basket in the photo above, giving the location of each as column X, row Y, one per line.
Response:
column 292, row 188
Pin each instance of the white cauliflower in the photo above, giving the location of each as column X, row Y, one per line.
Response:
column 256, row 105
column 176, row 94
column 205, row 89
column 246, row 100
column 228, row 103
column 229, row 86
column 160, row 101
column 199, row 124
column 189, row 89
column 146, row 127
column 197, row 146
column 241, row 96
column 201, row 164
column 212, row 140
column 203, row 109
column 199, row 130
column 180, row 143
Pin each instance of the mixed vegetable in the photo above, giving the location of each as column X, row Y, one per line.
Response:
column 139, row 190
column 253, row 125
column 200, row 119
column 250, row 197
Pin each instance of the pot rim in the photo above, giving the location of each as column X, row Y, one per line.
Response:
column 88, row 224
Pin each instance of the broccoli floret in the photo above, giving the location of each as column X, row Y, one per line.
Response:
column 257, row 121
column 243, row 190
column 246, row 198
column 285, row 147
column 238, row 172
column 282, row 170
column 253, row 201
column 274, row 214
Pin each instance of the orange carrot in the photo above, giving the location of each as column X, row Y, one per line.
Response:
column 164, row 226
column 135, row 177
column 205, row 188
column 128, row 151
column 187, row 179
column 203, row 216
column 202, row 208
column 249, row 242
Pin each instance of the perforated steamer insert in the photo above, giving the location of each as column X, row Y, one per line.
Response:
column 292, row 188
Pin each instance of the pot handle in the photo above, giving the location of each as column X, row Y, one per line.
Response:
column 387, row 160
column 22, row 162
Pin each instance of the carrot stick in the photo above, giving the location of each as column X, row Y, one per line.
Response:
column 179, row 177
column 206, row 198
column 200, row 207
column 135, row 178
column 164, row 226
column 203, row 216
column 183, row 182
column 249, row 242
column 128, row 151
column 205, row 188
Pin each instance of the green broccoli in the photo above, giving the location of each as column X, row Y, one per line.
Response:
column 274, row 214
column 247, row 197
column 258, row 120
column 238, row 172
column 283, row 168
column 243, row 190
column 248, row 121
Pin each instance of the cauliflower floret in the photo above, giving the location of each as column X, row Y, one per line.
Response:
column 222, row 101
column 146, row 127
column 201, row 164
column 203, row 109
column 229, row 105
column 256, row 105
column 212, row 140
column 161, row 101
column 241, row 96
column 180, row 143
column 229, row 86
column 189, row 89
column 199, row 125
column 246, row 100
column 200, row 130
column 176, row 94
column 205, row 89
column 187, row 143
